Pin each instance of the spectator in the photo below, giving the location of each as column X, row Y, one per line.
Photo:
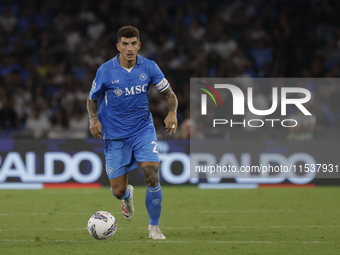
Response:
column 96, row 29
column 37, row 124
column 8, row 117
column 304, row 130
column 79, row 124
column 21, row 99
column 262, row 55
column 60, row 126
column 8, row 21
column 188, row 130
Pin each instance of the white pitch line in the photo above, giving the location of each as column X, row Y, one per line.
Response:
column 304, row 242
column 248, row 211
column 189, row 227
column 331, row 226
column 56, row 213
column 212, row 212
column 169, row 241
column 7, row 240
column 41, row 229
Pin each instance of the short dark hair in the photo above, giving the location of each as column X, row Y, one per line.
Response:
column 128, row 32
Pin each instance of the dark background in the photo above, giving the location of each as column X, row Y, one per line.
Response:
column 50, row 51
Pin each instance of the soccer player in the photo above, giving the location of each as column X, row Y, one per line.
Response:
column 119, row 112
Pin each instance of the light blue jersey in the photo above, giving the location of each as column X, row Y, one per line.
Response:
column 123, row 96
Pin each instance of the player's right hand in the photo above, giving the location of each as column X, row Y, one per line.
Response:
column 95, row 128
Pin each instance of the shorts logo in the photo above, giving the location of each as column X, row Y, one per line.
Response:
column 111, row 171
column 118, row 92
column 94, row 85
column 143, row 76
column 155, row 201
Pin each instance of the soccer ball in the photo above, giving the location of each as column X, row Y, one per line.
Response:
column 102, row 225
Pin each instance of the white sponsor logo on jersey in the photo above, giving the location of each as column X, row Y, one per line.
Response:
column 118, row 92
column 135, row 90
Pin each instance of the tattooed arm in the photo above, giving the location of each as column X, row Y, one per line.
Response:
column 95, row 125
column 171, row 120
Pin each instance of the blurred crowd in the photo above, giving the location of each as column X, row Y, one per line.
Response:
column 50, row 51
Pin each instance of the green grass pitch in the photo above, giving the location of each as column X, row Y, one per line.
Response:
column 256, row 221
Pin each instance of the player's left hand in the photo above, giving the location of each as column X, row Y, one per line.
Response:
column 171, row 122
column 95, row 128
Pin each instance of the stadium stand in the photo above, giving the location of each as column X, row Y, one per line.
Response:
column 50, row 51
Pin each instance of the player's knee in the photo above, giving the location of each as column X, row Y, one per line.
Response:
column 118, row 193
column 153, row 181
column 150, row 175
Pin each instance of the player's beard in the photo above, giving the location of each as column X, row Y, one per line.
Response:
column 130, row 59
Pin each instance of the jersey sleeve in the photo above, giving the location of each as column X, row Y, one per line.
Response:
column 159, row 80
column 98, row 85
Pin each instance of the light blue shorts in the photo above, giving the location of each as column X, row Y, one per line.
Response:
column 121, row 155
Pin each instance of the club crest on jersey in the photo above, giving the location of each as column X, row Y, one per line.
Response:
column 118, row 92
column 143, row 76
